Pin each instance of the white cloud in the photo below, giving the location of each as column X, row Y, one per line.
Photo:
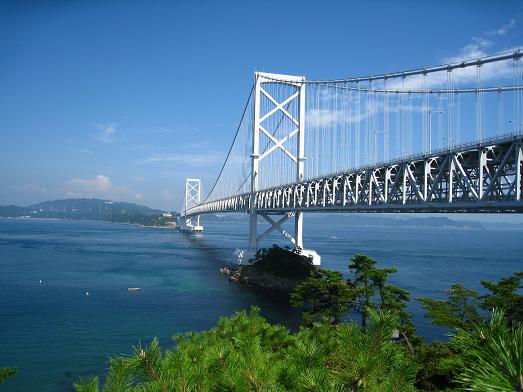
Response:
column 99, row 186
column 188, row 159
column 337, row 114
column 462, row 77
column 328, row 117
column 28, row 188
column 106, row 132
column 503, row 30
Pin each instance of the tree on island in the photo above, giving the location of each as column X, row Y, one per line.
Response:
column 325, row 295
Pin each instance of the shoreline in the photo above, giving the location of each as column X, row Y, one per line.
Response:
column 22, row 218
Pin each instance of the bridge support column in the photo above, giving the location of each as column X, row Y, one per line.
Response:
column 298, row 230
column 277, row 143
column 253, row 233
column 190, row 223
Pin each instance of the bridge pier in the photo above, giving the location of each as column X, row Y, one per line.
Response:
column 298, row 230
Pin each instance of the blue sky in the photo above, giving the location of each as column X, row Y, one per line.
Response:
column 124, row 99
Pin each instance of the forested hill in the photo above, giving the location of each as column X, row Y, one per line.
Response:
column 89, row 209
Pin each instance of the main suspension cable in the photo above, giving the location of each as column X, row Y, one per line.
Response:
column 231, row 147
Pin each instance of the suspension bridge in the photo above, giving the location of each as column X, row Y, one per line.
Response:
column 446, row 138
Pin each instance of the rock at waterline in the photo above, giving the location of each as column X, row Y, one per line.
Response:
column 274, row 269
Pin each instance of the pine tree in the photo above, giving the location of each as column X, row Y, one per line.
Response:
column 493, row 356
column 325, row 295
column 458, row 311
column 504, row 296
column 372, row 291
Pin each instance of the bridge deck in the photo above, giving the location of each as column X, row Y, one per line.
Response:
column 479, row 177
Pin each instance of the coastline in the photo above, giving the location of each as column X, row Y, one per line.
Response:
column 87, row 220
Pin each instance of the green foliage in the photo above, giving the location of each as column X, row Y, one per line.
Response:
column 447, row 365
column 461, row 309
column 282, row 262
column 369, row 361
column 245, row 353
column 493, row 356
column 362, row 267
column 88, row 384
column 504, row 296
column 439, row 364
column 371, row 291
column 458, row 311
column 325, row 295
column 6, row 372
column 139, row 218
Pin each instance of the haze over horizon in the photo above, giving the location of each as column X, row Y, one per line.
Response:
column 92, row 106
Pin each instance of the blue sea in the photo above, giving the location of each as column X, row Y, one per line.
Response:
column 65, row 307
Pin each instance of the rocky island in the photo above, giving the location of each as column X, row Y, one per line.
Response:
column 275, row 269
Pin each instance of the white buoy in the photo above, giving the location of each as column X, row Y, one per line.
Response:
column 87, row 293
column 40, row 281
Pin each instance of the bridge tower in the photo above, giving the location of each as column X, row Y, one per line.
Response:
column 191, row 199
column 296, row 93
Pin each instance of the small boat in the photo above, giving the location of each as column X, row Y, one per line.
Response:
column 134, row 288
column 333, row 237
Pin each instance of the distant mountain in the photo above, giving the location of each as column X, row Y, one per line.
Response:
column 401, row 220
column 438, row 221
column 12, row 211
column 368, row 219
column 89, row 209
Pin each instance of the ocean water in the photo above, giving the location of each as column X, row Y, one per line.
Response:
column 54, row 332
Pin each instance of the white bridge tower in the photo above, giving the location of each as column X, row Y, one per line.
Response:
column 192, row 199
column 295, row 93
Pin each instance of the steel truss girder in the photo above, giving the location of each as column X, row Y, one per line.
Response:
column 482, row 177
